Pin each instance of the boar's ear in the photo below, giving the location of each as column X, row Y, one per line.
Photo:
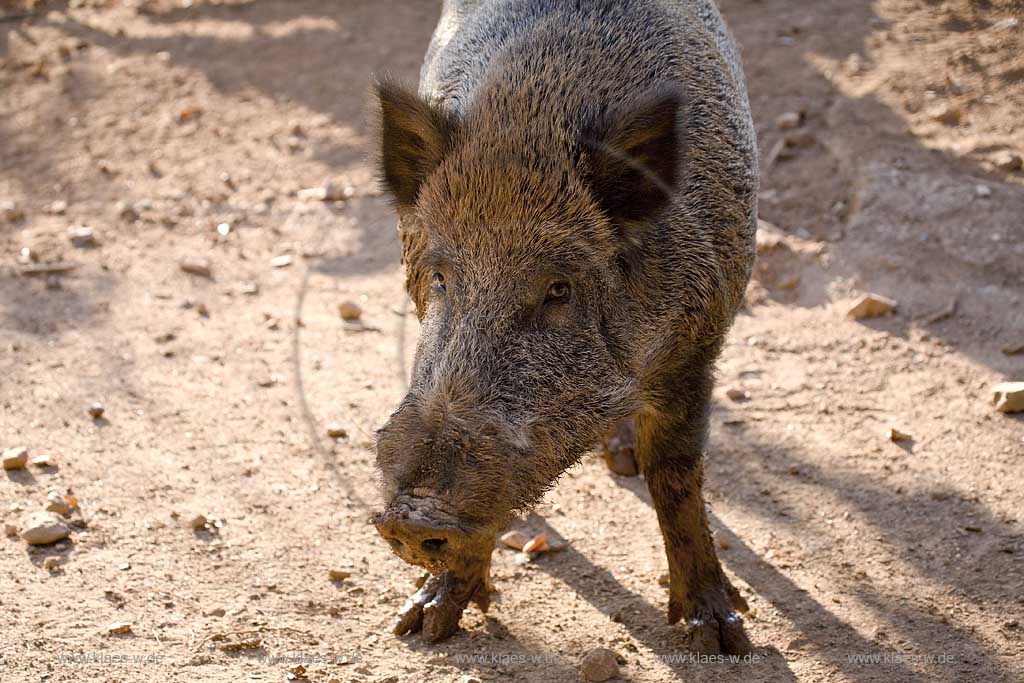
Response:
column 414, row 137
column 634, row 158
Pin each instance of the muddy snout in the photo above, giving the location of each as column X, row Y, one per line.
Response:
column 421, row 534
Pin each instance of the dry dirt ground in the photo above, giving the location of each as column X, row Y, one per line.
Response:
column 155, row 124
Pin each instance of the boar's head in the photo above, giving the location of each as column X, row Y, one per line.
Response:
column 522, row 237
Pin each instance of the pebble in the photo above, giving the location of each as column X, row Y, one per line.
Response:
column 338, row 574
column 599, row 664
column 769, row 237
column 1007, row 161
column 336, row 431
column 198, row 521
column 82, row 237
column 126, row 211
column 119, row 628
column 514, row 540
column 10, row 212
column 871, row 306
column 789, row 120
column 982, row 191
column 737, row 394
column 56, row 503
column 96, row 411
column 537, row 544
column 58, row 207
column 10, row 530
column 328, row 192
column 789, row 282
column 468, row 678
column 800, row 138
column 349, row 311
column 896, row 436
column 44, row 528
column 1008, row 397
column 51, row 564
column 946, row 113
column 197, row 266
column 15, row 458
column 282, row 261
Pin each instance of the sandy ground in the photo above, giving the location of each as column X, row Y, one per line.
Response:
column 156, row 125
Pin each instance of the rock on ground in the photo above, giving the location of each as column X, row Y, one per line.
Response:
column 44, row 528
column 600, row 664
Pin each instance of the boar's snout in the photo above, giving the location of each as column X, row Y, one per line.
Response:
column 422, row 534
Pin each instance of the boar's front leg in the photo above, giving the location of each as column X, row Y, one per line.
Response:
column 671, row 457
column 435, row 609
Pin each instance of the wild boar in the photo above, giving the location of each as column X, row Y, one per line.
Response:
column 575, row 184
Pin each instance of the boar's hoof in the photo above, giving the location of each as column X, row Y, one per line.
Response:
column 712, row 630
column 435, row 609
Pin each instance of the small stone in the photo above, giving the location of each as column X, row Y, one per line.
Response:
column 800, row 139
column 119, row 628
column 51, row 564
column 1013, row 350
column 96, row 411
column 1008, row 397
column 789, row 120
column 946, row 113
column 349, row 311
column 1007, row 161
column 198, row 521
column 336, row 431
column 56, row 503
column 249, row 288
column 737, row 394
column 723, row 542
column 513, row 539
column 44, row 528
column 769, row 237
column 126, row 211
column 789, row 282
column 338, row 574
column 10, row 212
column 665, row 579
column 282, row 261
column 10, row 530
column 897, row 436
column 537, row 544
column 197, row 266
column 328, row 192
column 58, row 207
column 15, row 458
column 600, row 664
column 1007, row 24
column 468, row 678
column 82, row 237
column 982, row 191
column 871, row 306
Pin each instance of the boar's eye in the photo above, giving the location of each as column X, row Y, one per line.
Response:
column 438, row 280
column 558, row 291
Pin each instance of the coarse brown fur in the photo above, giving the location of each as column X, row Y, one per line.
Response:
column 601, row 146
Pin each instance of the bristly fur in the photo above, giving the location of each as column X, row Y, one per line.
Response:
column 602, row 143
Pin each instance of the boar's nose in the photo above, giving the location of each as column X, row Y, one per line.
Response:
column 417, row 541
